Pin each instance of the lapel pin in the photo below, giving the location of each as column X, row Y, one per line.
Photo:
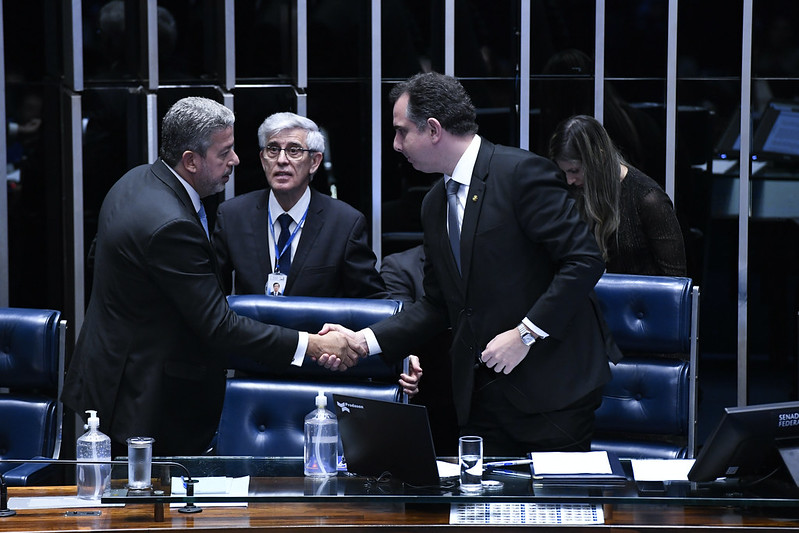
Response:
column 474, row 198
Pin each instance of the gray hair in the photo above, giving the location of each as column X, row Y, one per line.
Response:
column 189, row 125
column 278, row 122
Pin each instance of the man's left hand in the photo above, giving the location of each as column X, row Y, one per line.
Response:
column 504, row 352
column 410, row 381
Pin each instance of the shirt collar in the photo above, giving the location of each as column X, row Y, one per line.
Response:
column 295, row 212
column 463, row 170
column 194, row 195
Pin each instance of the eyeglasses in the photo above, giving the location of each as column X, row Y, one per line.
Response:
column 292, row 152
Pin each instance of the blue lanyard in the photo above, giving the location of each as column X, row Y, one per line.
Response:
column 279, row 253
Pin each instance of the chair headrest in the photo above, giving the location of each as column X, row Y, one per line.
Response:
column 29, row 347
column 648, row 314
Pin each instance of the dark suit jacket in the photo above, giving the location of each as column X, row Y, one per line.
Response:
column 333, row 257
column 403, row 273
column 149, row 357
column 524, row 252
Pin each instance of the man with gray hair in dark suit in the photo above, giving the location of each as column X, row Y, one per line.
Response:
column 150, row 356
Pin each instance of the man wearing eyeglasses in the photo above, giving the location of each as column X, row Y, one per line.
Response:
column 288, row 233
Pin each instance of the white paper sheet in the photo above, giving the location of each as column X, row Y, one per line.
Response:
column 661, row 469
column 214, row 486
column 56, row 502
column 571, row 463
column 446, row 469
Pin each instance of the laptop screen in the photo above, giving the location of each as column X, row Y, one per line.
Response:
column 387, row 437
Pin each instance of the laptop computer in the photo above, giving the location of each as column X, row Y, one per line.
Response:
column 380, row 436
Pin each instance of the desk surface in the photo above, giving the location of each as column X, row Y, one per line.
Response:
column 300, row 516
column 278, row 480
column 280, row 499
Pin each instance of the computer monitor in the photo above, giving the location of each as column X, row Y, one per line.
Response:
column 746, row 442
column 777, row 135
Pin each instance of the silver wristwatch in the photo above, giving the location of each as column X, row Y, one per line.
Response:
column 527, row 337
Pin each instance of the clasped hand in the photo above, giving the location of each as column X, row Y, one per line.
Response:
column 357, row 348
column 336, row 349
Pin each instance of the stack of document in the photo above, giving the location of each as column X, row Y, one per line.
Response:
column 577, row 468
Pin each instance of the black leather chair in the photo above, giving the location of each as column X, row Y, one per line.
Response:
column 649, row 407
column 31, row 376
column 263, row 413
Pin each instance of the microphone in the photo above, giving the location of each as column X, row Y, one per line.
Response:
column 189, row 481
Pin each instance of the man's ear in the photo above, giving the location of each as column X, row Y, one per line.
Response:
column 316, row 160
column 434, row 129
column 262, row 157
column 189, row 160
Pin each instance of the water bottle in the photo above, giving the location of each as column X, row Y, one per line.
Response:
column 93, row 446
column 321, row 440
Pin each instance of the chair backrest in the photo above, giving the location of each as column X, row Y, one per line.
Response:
column 31, row 378
column 266, row 417
column 307, row 313
column 263, row 414
column 649, row 407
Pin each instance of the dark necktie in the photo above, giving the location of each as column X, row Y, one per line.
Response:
column 284, row 261
column 203, row 219
column 452, row 219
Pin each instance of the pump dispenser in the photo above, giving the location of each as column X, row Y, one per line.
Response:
column 92, row 479
column 321, row 440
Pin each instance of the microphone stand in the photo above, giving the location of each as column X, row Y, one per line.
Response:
column 5, row 511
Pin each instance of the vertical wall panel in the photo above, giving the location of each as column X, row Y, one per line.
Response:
column 229, row 67
column 743, row 200
column 150, row 17
column 599, row 61
column 377, row 117
column 524, row 78
column 5, row 273
column 671, row 99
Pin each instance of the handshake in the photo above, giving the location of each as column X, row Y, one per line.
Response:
column 338, row 348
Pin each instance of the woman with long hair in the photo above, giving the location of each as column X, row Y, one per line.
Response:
column 632, row 218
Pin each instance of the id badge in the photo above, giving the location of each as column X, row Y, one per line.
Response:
column 275, row 284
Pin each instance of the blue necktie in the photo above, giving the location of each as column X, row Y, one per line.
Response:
column 203, row 220
column 452, row 219
column 284, row 261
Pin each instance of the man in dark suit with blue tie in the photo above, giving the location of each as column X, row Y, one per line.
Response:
column 310, row 243
column 510, row 267
column 150, row 356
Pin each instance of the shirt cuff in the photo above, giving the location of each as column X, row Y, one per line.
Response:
column 535, row 329
column 302, row 346
column 371, row 341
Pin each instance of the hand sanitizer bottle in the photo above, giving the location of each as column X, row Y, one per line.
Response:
column 93, row 445
column 321, row 440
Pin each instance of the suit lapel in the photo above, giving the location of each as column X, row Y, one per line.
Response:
column 260, row 235
column 164, row 174
column 474, row 204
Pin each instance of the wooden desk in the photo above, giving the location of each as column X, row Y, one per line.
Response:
column 299, row 517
